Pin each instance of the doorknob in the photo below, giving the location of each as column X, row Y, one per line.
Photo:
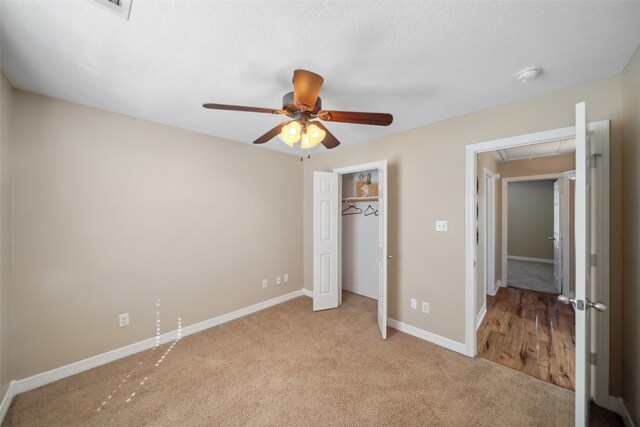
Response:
column 566, row 300
column 598, row 306
column 389, row 256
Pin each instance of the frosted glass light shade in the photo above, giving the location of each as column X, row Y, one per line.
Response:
column 290, row 133
column 313, row 136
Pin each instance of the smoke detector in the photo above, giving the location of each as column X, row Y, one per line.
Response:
column 528, row 73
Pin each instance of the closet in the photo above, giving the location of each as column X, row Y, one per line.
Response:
column 360, row 233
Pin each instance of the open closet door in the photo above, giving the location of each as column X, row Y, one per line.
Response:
column 326, row 283
column 583, row 266
column 384, row 256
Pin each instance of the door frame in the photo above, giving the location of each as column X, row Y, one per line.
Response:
column 505, row 217
column 378, row 165
column 489, row 234
column 600, row 385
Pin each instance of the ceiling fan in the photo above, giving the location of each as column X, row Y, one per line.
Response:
column 302, row 106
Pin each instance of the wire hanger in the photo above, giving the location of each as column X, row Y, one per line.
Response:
column 369, row 211
column 356, row 210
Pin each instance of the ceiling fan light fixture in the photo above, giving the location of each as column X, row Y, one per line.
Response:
column 312, row 137
column 290, row 134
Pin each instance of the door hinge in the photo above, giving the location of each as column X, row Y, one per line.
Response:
column 594, row 161
column 592, row 359
column 594, row 260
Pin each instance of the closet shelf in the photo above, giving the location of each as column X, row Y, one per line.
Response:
column 360, row 199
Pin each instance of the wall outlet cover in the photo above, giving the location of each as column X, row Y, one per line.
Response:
column 279, row 280
column 414, row 303
column 265, row 283
column 286, row 278
column 442, row 225
column 425, row 307
column 123, row 319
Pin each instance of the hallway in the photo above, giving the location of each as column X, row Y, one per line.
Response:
column 532, row 333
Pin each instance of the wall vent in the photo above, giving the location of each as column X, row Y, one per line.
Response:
column 121, row 8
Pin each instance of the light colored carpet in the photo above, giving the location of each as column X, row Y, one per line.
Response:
column 532, row 276
column 289, row 366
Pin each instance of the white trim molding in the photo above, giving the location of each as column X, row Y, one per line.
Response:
column 480, row 316
column 526, row 258
column 307, row 293
column 497, row 286
column 6, row 400
column 38, row 380
column 427, row 336
column 361, row 291
column 624, row 413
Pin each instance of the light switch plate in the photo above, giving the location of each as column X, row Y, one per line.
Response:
column 265, row 283
column 442, row 225
column 414, row 303
column 279, row 280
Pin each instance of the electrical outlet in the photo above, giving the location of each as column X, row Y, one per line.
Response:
column 265, row 283
column 123, row 319
column 425, row 307
column 286, row 277
column 414, row 303
column 442, row 225
column 279, row 280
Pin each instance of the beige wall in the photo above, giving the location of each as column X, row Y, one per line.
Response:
column 427, row 182
column 6, row 110
column 112, row 212
column 530, row 210
column 631, row 239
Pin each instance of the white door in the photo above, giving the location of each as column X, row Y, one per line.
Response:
column 384, row 256
column 557, row 238
column 583, row 266
column 326, row 198
column 490, row 232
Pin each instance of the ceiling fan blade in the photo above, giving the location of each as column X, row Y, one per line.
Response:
column 376, row 119
column 240, row 108
column 329, row 140
column 273, row 132
column 306, row 88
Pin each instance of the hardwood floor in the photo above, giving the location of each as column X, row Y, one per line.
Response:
column 530, row 332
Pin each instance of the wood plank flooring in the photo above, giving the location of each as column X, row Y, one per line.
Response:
column 532, row 333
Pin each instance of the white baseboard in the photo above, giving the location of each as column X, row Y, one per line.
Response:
column 480, row 316
column 624, row 413
column 526, row 258
column 38, row 380
column 360, row 291
column 427, row 336
column 307, row 293
column 496, row 286
column 6, row 400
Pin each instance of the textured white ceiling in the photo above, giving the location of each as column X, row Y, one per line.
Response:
column 421, row 61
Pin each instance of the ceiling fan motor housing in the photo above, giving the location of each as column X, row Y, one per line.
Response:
column 289, row 105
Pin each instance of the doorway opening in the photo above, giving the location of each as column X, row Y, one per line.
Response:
column 591, row 238
column 522, row 324
column 350, row 236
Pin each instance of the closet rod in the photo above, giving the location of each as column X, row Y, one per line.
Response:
column 360, row 199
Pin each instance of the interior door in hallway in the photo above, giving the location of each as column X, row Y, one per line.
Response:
column 557, row 238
